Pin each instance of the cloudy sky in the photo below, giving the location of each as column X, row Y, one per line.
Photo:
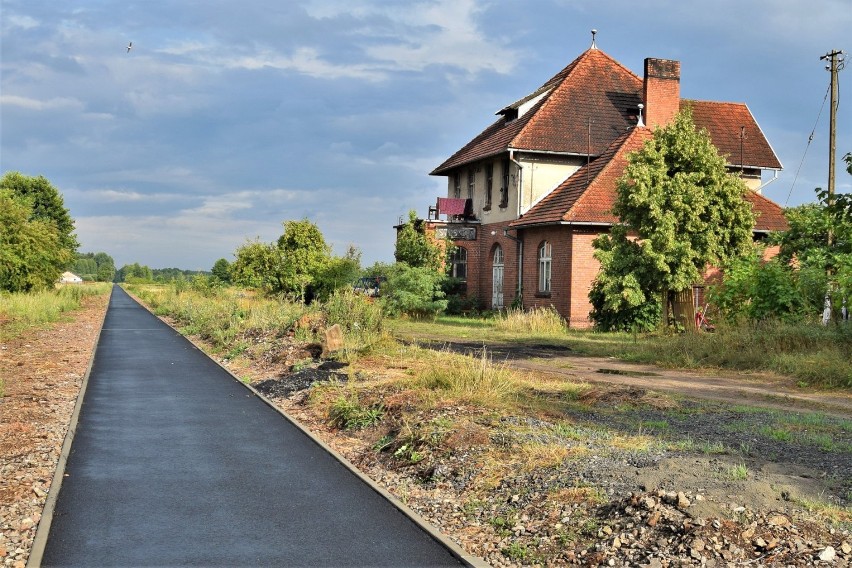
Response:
column 230, row 116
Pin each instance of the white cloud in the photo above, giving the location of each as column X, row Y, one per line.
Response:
column 40, row 105
column 17, row 21
column 445, row 33
column 426, row 33
column 307, row 61
column 129, row 196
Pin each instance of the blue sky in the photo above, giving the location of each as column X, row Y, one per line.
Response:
column 229, row 117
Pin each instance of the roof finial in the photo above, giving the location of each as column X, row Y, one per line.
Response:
column 594, row 45
column 640, row 123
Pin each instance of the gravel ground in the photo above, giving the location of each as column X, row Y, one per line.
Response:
column 613, row 506
column 739, row 499
column 43, row 371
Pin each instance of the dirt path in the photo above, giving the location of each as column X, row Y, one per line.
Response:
column 764, row 390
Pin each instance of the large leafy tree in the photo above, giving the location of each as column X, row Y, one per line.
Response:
column 46, row 205
column 134, row 273
column 305, row 256
column 298, row 265
column 416, row 249
column 680, row 211
column 31, row 256
column 258, row 265
column 95, row 266
column 822, row 266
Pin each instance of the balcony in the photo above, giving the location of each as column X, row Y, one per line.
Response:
column 460, row 224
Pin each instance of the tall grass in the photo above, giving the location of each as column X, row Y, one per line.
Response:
column 540, row 321
column 816, row 355
column 220, row 316
column 226, row 316
column 21, row 311
column 470, row 379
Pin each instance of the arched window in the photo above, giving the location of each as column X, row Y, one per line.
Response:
column 458, row 263
column 544, row 267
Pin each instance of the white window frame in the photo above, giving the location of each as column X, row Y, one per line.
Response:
column 459, row 258
column 489, row 184
column 545, row 267
column 504, row 186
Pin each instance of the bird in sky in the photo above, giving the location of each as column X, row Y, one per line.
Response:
column 129, row 46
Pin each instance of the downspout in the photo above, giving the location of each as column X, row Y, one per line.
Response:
column 519, row 290
column 761, row 186
column 520, row 179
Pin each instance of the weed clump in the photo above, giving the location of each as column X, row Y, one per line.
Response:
column 539, row 321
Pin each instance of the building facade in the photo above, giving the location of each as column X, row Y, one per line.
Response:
column 528, row 195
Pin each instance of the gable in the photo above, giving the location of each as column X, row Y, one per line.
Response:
column 593, row 101
column 594, row 87
column 588, row 195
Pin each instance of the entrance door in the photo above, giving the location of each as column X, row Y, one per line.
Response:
column 497, row 279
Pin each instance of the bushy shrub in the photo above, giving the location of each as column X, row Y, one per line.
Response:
column 643, row 317
column 458, row 301
column 757, row 290
column 415, row 292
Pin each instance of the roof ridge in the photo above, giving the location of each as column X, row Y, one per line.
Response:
column 703, row 101
column 609, row 156
column 566, row 73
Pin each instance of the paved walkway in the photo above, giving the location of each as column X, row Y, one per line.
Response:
column 175, row 463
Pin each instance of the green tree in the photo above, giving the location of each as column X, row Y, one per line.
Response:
column 415, row 248
column 31, row 256
column 105, row 267
column 305, row 256
column 413, row 291
column 47, row 205
column 135, row 273
column 94, row 266
column 222, row 270
column 680, row 211
column 85, row 266
column 338, row 273
column 820, row 267
column 258, row 265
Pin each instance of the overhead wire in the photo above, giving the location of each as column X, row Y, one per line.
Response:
column 810, row 139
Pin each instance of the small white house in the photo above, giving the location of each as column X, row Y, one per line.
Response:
column 70, row 278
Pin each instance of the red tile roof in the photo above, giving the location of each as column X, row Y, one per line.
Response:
column 770, row 215
column 588, row 195
column 725, row 122
column 595, row 86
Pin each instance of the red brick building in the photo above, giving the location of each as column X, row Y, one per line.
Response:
column 528, row 195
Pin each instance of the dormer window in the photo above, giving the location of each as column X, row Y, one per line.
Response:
column 510, row 114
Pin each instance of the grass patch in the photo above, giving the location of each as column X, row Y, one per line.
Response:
column 347, row 413
column 468, row 379
column 815, row 355
column 541, row 321
column 22, row 311
column 738, row 472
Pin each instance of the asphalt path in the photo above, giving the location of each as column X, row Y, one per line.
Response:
column 176, row 463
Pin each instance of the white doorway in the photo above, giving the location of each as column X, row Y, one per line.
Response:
column 497, row 279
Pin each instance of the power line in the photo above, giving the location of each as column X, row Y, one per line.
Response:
column 810, row 139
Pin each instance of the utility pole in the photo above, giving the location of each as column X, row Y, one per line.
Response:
column 835, row 60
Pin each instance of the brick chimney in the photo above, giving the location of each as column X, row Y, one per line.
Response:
column 661, row 91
